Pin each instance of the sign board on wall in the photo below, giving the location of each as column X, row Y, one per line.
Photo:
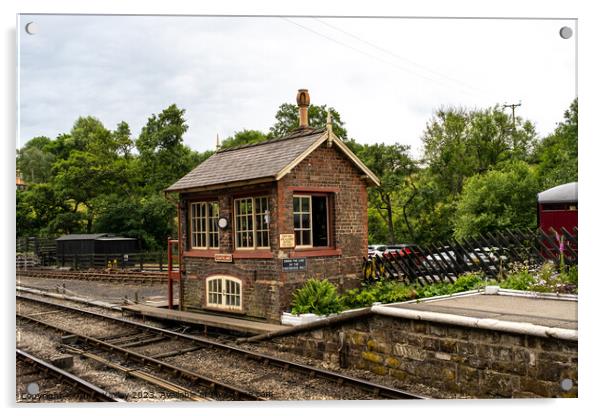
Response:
column 287, row 240
column 223, row 258
column 294, row 265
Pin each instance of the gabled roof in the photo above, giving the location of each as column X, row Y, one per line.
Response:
column 558, row 194
column 269, row 160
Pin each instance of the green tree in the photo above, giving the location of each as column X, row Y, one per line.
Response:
column 557, row 154
column 163, row 156
column 42, row 211
column 498, row 199
column 122, row 139
column 287, row 120
column 427, row 208
column 393, row 165
column 243, row 137
column 34, row 160
column 150, row 219
column 92, row 168
column 459, row 143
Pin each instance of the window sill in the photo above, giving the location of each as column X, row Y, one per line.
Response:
column 315, row 252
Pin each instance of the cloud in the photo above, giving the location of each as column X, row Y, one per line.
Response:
column 385, row 76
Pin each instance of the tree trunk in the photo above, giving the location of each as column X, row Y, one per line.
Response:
column 405, row 215
column 389, row 208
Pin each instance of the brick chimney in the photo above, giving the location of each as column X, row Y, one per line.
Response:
column 303, row 103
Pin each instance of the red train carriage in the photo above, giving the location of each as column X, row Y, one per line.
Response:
column 557, row 209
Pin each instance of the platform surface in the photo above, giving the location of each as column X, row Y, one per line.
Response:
column 217, row 321
column 546, row 312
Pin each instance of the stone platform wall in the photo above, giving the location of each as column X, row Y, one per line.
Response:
column 454, row 359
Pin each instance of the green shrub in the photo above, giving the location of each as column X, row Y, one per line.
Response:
column 570, row 276
column 385, row 292
column 468, row 281
column 520, row 280
column 391, row 291
column 316, row 296
column 437, row 289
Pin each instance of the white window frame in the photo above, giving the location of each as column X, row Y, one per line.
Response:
column 311, row 220
column 254, row 231
column 311, row 237
column 223, row 293
column 207, row 230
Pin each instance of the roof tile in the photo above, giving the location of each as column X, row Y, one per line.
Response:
column 260, row 160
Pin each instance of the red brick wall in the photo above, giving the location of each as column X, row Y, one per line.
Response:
column 266, row 289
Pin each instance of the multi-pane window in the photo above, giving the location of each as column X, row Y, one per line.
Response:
column 251, row 217
column 302, row 220
column 203, row 224
column 224, row 292
column 310, row 220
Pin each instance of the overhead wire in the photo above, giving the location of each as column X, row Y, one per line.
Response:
column 404, row 69
column 397, row 56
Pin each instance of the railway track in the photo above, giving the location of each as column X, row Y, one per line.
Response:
column 57, row 384
column 160, row 348
column 96, row 275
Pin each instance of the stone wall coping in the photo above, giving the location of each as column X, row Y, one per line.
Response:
column 389, row 309
column 539, row 295
column 522, row 328
column 493, row 290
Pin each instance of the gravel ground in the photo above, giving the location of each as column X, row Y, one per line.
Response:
column 267, row 348
column 45, row 345
column 108, row 292
column 267, row 381
column 264, row 380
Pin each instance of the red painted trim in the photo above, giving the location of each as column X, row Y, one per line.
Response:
column 253, row 254
column 317, row 189
column 315, row 252
column 241, row 254
column 201, row 253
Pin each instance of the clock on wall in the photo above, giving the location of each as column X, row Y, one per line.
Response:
column 222, row 222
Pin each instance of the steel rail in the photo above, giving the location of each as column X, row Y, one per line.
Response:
column 206, row 382
column 124, row 276
column 373, row 388
column 142, row 375
column 82, row 385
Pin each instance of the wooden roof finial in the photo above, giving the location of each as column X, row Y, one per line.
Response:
column 217, row 145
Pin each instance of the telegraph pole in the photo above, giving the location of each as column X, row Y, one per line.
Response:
column 513, row 106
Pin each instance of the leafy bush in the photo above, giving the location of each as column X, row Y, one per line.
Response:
column 571, row 276
column 391, row 291
column 385, row 292
column 468, row 281
column 316, row 296
column 546, row 280
column 520, row 280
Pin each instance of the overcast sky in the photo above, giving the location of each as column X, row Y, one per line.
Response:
column 386, row 77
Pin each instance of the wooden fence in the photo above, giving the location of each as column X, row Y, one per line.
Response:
column 36, row 251
column 492, row 253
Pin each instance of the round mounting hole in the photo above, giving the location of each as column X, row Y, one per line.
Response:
column 33, row 388
column 566, row 384
column 566, row 32
column 31, row 28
